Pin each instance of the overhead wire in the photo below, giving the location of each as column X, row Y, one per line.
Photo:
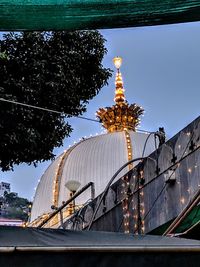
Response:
column 55, row 111
column 45, row 109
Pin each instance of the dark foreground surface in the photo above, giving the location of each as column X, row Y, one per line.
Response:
column 100, row 259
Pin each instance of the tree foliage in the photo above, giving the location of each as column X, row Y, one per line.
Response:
column 57, row 70
column 15, row 207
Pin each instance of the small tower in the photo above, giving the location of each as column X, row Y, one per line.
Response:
column 120, row 116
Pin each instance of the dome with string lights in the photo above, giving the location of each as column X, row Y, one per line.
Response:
column 94, row 159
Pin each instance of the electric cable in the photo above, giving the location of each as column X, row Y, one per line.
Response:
column 145, row 144
column 56, row 111
column 46, row 109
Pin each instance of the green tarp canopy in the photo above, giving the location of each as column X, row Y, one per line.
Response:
column 192, row 219
column 94, row 14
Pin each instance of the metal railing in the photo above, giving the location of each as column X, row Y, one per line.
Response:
column 59, row 210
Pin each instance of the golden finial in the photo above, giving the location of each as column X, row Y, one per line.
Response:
column 120, row 116
column 119, row 90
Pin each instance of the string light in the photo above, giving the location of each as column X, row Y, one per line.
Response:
column 134, row 208
column 182, row 200
column 129, row 148
column 56, row 179
column 125, row 208
column 141, row 206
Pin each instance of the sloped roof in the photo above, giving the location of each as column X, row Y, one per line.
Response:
column 57, row 238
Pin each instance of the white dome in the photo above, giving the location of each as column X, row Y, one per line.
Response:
column 91, row 160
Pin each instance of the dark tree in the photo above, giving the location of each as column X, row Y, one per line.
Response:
column 59, row 71
column 15, row 207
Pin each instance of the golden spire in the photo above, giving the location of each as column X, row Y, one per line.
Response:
column 119, row 90
column 120, row 116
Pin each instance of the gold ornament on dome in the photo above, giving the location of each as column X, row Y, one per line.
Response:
column 120, row 116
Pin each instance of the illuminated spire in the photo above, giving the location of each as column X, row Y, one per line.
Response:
column 119, row 90
column 120, row 116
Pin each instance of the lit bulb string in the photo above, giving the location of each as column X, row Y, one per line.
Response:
column 126, row 184
column 56, row 181
column 139, row 210
column 57, row 112
column 129, row 200
column 176, row 165
column 125, row 205
column 163, row 188
column 140, row 205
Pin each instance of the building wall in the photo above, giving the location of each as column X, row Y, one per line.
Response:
column 4, row 187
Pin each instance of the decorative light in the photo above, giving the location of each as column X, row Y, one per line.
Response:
column 120, row 116
column 182, row 200
column 126, row 213
column 72, row 185
column 55, row 182
column 117, row 62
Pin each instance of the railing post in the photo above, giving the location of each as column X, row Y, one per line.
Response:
column 92, row 191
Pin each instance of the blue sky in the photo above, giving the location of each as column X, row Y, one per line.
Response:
column 161, row 72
